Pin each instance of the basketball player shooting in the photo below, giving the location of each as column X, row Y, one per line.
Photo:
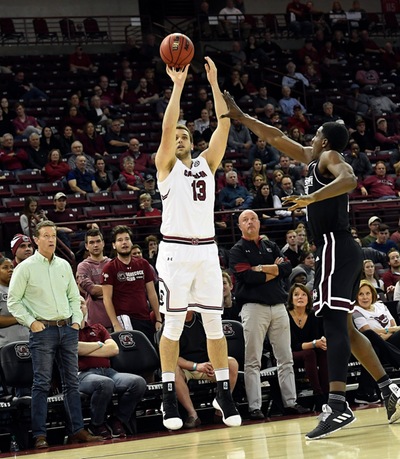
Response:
column 188, row 265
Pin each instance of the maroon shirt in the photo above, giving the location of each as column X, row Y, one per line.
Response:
column 129, row 286
column 92, row 334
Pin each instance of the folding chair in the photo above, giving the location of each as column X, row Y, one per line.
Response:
column 42, row 32
column 92, row 30
column 8, row 32
column 69, row 32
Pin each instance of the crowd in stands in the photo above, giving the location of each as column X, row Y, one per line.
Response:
column 104, row 137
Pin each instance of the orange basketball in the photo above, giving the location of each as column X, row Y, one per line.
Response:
column 177, row 50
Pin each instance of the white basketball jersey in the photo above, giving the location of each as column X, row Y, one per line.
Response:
column 188, row 196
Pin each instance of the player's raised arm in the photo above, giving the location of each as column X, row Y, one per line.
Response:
column 165, row 158
column 219, row 139
column 270, row 134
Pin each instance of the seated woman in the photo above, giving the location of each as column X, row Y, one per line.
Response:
column 48, row 140
column 308, row 344
column 369, row 273
column 30, row 217
column 257, row 168
column 128, row 180
column 307, row 262
column 263, row 200
column 55, row 168
column 373, row 319
column 102, row 176
column 75, row 119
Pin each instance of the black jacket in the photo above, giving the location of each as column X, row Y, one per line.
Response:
column 250, row 285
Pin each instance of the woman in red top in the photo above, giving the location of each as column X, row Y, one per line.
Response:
column 75, row 119
column 56, row 168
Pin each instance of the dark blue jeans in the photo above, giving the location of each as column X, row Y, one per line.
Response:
column 102, row 383
column 58, row 344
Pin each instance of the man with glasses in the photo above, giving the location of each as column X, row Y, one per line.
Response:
column 141, row 159
column 77, row 150
column 116, row 141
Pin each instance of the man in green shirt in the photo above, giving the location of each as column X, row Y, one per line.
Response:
column 44, row 297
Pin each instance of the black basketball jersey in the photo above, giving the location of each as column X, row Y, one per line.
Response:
column 330, row 215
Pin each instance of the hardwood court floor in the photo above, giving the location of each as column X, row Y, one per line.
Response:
column 369, row 437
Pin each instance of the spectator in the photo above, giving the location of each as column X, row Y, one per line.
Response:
column 144, row 94
column 359, row 161
column 208, row 131
column 373, row 319
column 239, row 137
column 142, row 162
column 367, row 77
column 307, row 262
column 124, row 278
column 381, row 105
column 6, row 125
column 116, row 142
column 369, row 273
column 383, row 243
column 92, row 142
column 21, row 248
column 262, row 99
column 88, row 277
column 37, row 156
column 151, row 250
column 194, row 363
column 162, row 103
column 287, row 168
column 76, row 151
column 337, row 18
column 263, row 205
column 48, row 140
column 293, row 79
column 53, row 316
column 10, row 329
column 20, row 88
column 55, row 169
column 30, row 216
column 373, row 224
column 147, row 210
column 238, row 56
column 25, row 125
column 8, row 113
column 202, row 123
column 98, row 115
column 385, row 139
column 380, row 185
column 259, row 275
column 80, row 180
column 12, row 159
column 75, row 101
column 370, row 46
column 203, row 17
column 391, row 277
column 308, row 343
column 128, row 179
column 358, row 101
column 287, row 102
column 292, row 252
column 66, row 139
column 234, row 196
column 363, row 138
column 270, row 48
column 61, row 214
column 269, row 155
column 231, row 311
column 79, row 61
column 235, row 87
column 308, row 50
column 355, row 46
column 75, row 119
column 328, row 115
column 255, row 56
column 231, row 21
column 102, row 176
column 299, row 120
column 108, row 96
column 391, row 57
column 227, row 166
column 300, row 19
column 98, row 380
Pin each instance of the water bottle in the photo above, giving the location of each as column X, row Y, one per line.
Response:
column 14, row 447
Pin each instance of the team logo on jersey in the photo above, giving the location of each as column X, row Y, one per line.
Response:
column 196, row 163
column 4, row 296
column 22, row 351
column 126, row 340
column 315, row 295
column 308, row 182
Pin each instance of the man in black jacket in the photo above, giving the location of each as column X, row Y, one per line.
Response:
column 260, row 268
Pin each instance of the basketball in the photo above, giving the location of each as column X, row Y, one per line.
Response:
column 177, row 50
